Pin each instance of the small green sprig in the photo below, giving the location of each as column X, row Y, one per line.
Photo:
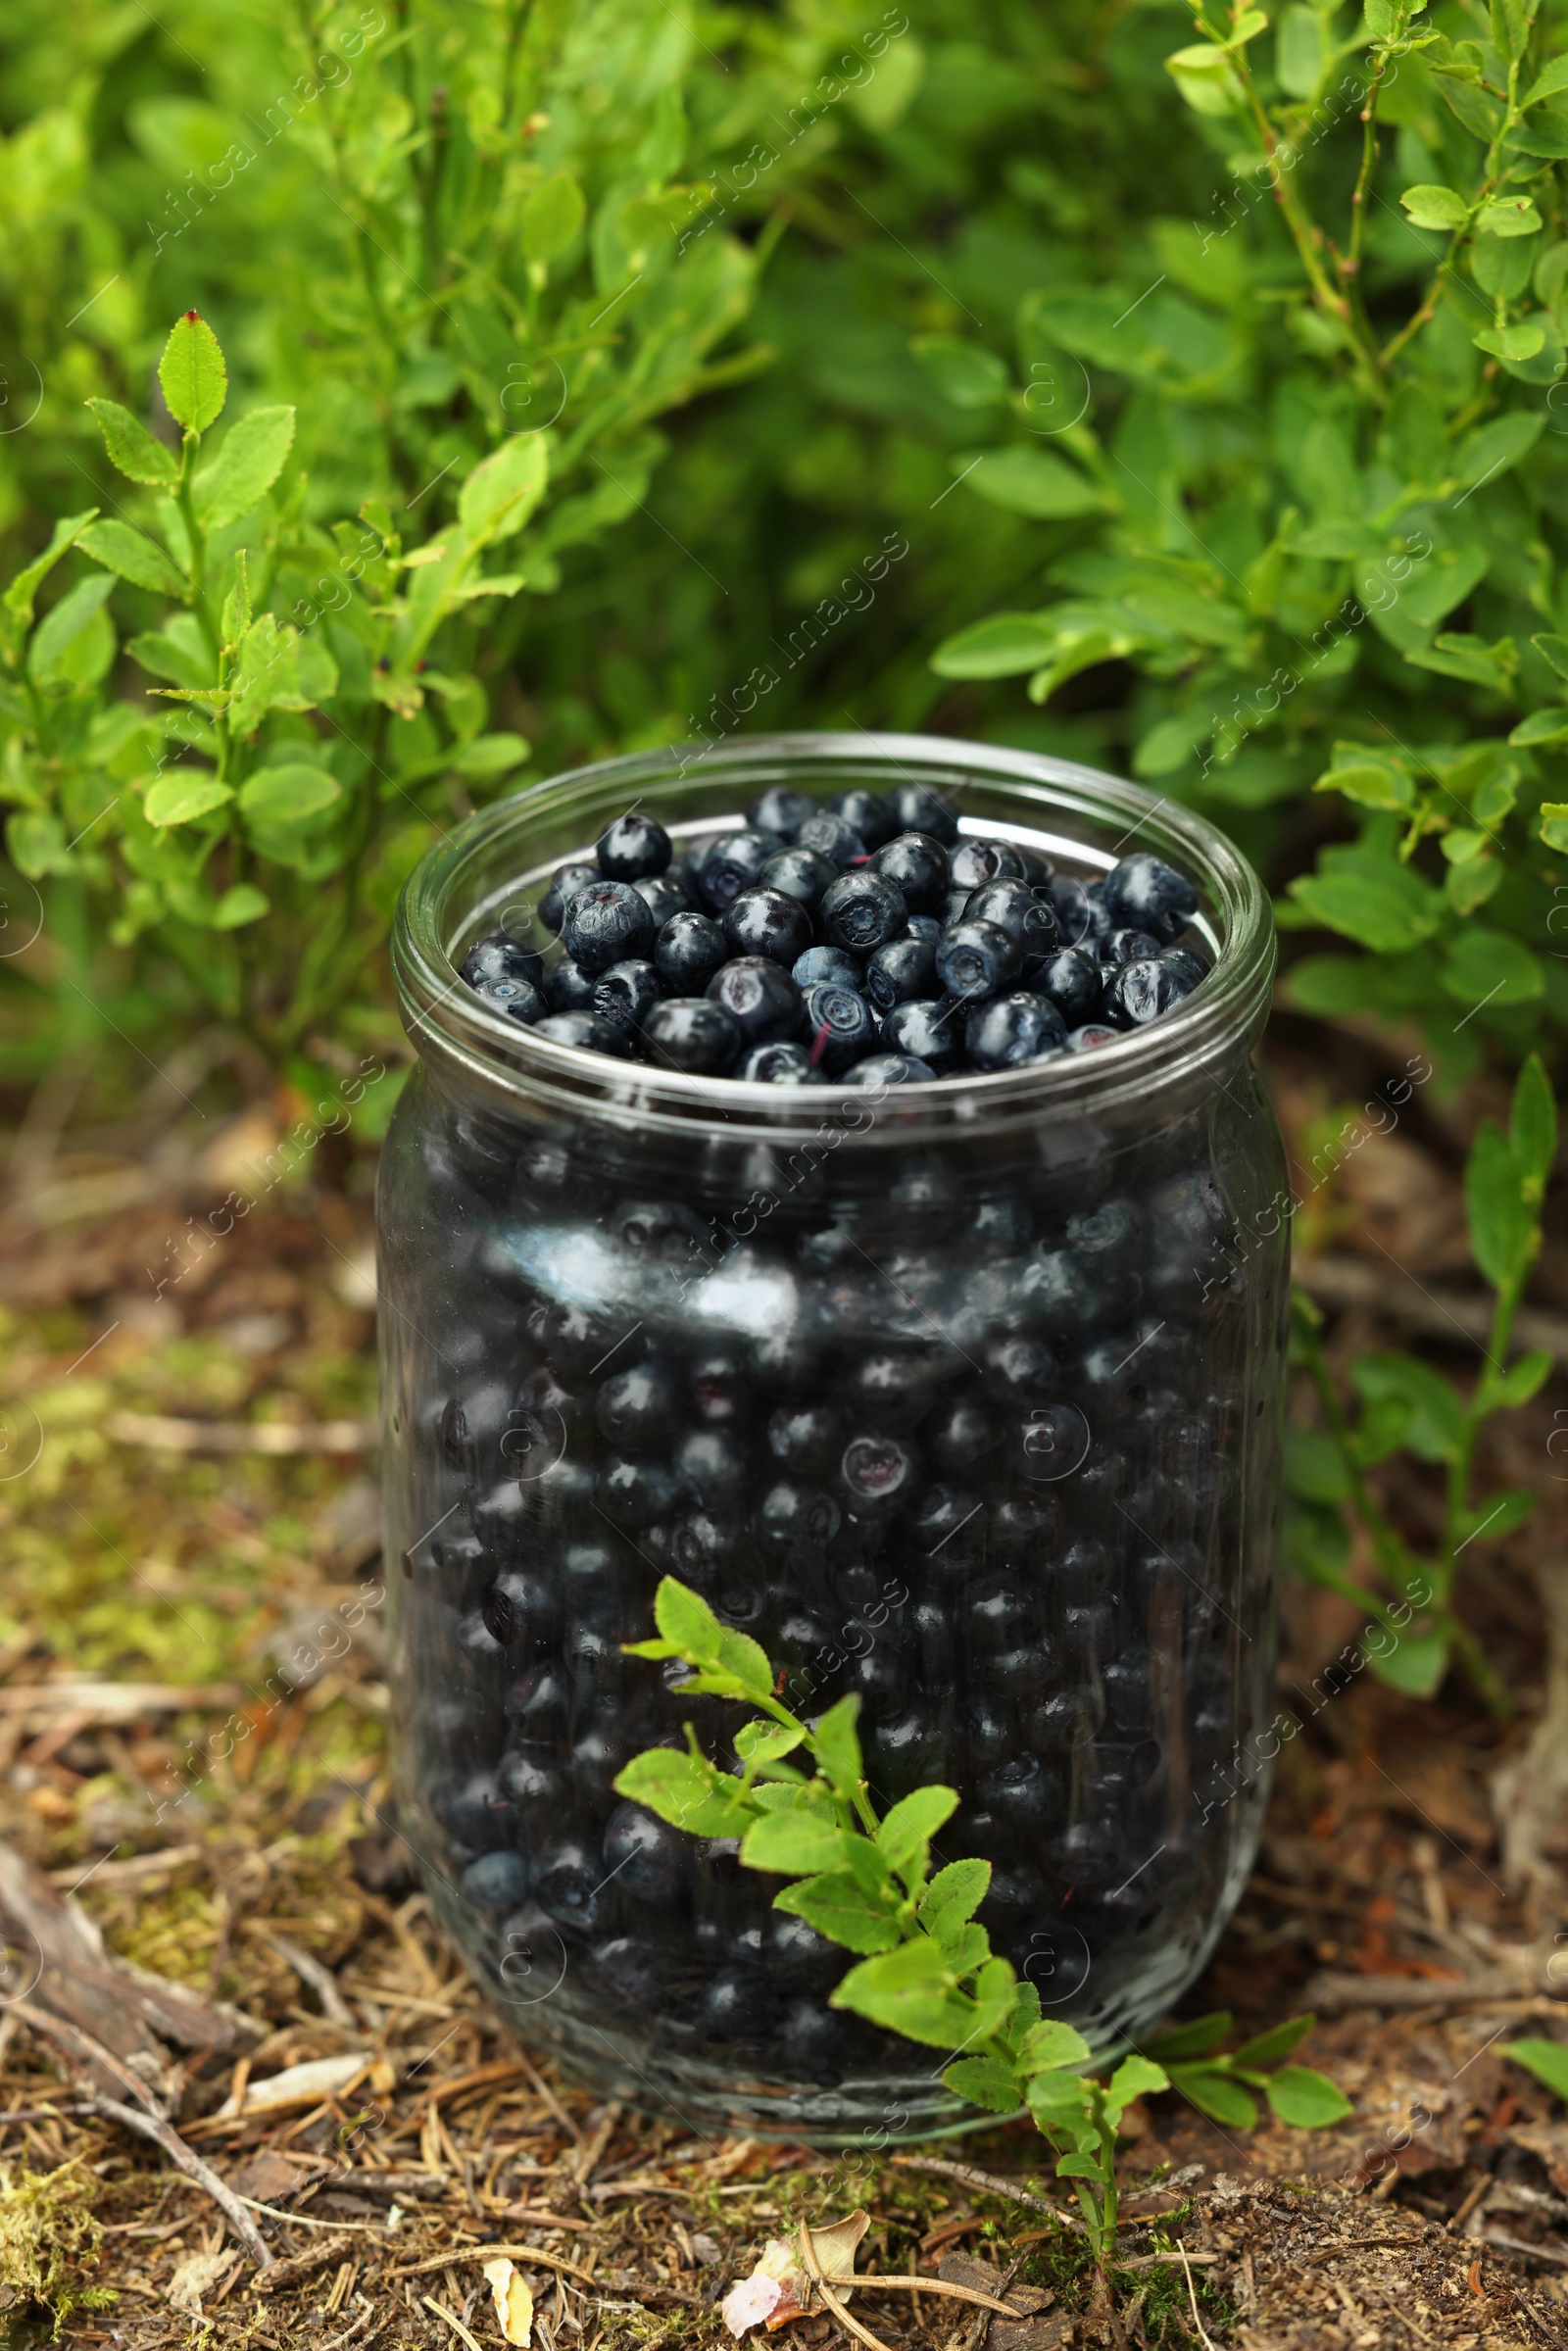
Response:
column 926, row 1968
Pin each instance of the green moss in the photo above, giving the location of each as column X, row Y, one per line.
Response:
column 48, row 2235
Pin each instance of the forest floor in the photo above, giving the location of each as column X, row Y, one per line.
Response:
column 186, row 1449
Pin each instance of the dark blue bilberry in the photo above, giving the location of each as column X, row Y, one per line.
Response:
column 1189, row 968
column 1125, row 946
column 1012, row 1030
column 565, row 884
column 834, row 840
column 690, row 1034
column 501, row 957
column 827, row 967
column 1082, row 916
column 626, row 993
column 841, row 1026
column 1144, row 893
column 1023, row 914
column 760, row 996
column 585, row 1030
column 879, row 1474
column 803, row 873
column 780, row 810
column 633, row 848
column 607, row 923
column 638, row 1408
column 768, row 922
column 568, row 988
column 688, row 950
column 515, row 997
column 918, row 809
column 974, row 863
column 791, row 1517
column 926, row 1029
column 663, row 895
column 918, row 865
column 782, row 1065
column 730, row 864
column 864, row 813
column 862, row 911
column 1071, row 980
column 977, row 958
column 807, row 1436
column 1142, row 992
column 889, row 1069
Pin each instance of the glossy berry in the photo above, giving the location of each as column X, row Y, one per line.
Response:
column 900, row 971
column 584, row 1030
column 924, row 1030
column 515, row 997
column 626, row 993
column 1144, row 893
column 1125, row 946
column 1142, row 992
column 688, row 950
column 862, row 911
column 633, row 848
column 767, row 922
column 501, row 957
column 568, row 988
column 1025, row 915
column 564, row 887
column 637, row 1409
column 690, row 1034
column 801, row 874
column 974, row 863
column 918, row 809
column 731, row 864
column 663, row 895
column 864, row 813
column 841, row 1028
column 1012, row 1030
column 1071, row 980
column 1189, row 968
column 607, row 923
column 828, row 966
column 918, row 867
column 878, row 1474
column 977, row 958
column 778, row 1065
column 832, row 839
column 780, row 810
column 760, row 996
column 889, row 1069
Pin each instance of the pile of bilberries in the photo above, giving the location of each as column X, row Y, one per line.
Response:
column 859, row 940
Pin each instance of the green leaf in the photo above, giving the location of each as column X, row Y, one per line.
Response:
column 1030, row 482
column 1372, row 786
column 1555, row 823
column 1081, row 2166
column 1522, row 1380
column 1499, row 1514
column 1267, row 2048
column 1000, row 646
column 504, row 489
column 184, row 795
column 909, row 1990
column 1435, row 207
column 1371, row 899
column 1306, row 2099
column 289, row 794
column 131, row 447
column 799, row 1843
column 1542, row 726
column 1520, row 342
column 1553, row 649
column 766, row 1743
column 1415, row 1664
column 20, row 592
column 134, row 556
column 252, row 458
column 552, row 215
column 1508, row 217
column 1532, row 1125
column 490, row 756
column 64, row 622
column 966, row 375
column 953, row 1897
column 687, row 1792
column 1315, row 1467
column 1435, row 1422
column 172, row 653
column 838, row 1749
column 240, row 904
column 1548, row 82
column 1213, row 2092
column 192, row 373
column 909, row 1827
column 842, row 1910
column 1547, row 2060
column 1058, row 2100
column 1049, row 2047
column 1501, row 1228
column 1492, row 448
column 686, row 1621
column 1134, row 2078
column 1202, row 73
column 985, row 2081
column 1195, row 2039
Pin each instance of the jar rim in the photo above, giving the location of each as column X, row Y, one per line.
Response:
column 468, row 873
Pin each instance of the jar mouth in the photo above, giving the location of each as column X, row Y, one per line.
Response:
column 469, row 882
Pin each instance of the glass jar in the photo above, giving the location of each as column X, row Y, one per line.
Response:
column 973, row 1404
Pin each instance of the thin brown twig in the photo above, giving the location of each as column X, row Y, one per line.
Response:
column 863, row 2334
column 163, row 2134
column 456, row 2324
column 1204, row 2335
column 990, row 2182
column 938, row 2285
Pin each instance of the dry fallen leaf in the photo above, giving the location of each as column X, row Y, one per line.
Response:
column 780, row 2287
column 513, row 2300
column 197, row 2277
column 298, row 2086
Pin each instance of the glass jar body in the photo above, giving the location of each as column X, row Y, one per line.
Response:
column 976, row 1416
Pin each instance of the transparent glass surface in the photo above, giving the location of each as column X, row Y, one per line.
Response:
column 1033, row 1325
